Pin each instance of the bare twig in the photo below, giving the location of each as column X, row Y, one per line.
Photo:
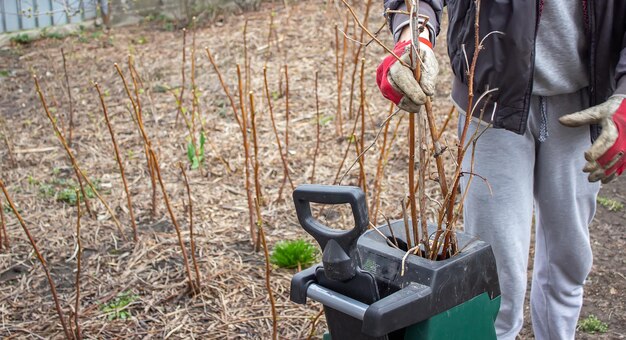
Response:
column 351, row 137
column 155, row 161
column 79, row 172
column 191, row 240
column 269, row 38
column 182, row 86
column 120, row 163
column 379, row 173
column 79, row 333
column 405, row 218
column 246, row 149
column 380, row 130
column 461, row 151
column 138, row 118
column 4, row 240
column 362, row 114
column 69, row 95
column 57, row 304
column 422, row 182
column 246, row 61
column 7, row 141
column 380, row 43
column 194, row 90
column 395, row 241
column 225, row 88
column 376, row 229
column 257, row 181
column 412, row 198
column 66, row 146
column 339, row 75
column 445, row 123
column 314, row 323
column 317, row 125
column 280, row 147
column 268, row 270
column 282, row 186
column 362, row 179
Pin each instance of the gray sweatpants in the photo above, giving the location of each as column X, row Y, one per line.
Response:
column 539, row 171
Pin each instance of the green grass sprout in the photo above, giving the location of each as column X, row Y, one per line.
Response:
column 593, row 325
column 294, row 254
column 610, row 204
column 118, row 307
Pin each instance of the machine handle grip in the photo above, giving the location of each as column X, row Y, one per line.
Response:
column 306, row 194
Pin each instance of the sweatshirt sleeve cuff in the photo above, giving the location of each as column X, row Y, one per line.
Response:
column 400, row 21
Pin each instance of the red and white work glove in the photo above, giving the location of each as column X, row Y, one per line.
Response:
column 605, row 158
column 397, row 82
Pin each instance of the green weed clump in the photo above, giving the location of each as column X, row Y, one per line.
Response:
column 196, row 159
column 610, row 204
column 63, row 190
column 22, row 39
column 118, row 307
column 294, row 254
column 592, row 324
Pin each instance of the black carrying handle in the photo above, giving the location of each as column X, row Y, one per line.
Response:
column 306, row 194
column 338, row 246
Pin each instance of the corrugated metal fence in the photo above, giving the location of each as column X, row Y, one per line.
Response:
column 18, row 15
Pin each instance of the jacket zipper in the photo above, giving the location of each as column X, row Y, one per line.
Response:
column 529, row 91
column 592, row 53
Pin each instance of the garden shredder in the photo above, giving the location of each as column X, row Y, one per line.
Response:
column 366, row 293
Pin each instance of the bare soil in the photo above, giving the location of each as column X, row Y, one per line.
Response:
column 233, row 302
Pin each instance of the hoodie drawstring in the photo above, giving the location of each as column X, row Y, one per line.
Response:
column 543, row 128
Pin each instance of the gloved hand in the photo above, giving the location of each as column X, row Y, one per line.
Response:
column 605, row 158
column 396, row 81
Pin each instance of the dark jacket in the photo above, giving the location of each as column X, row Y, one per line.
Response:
column 507, row 61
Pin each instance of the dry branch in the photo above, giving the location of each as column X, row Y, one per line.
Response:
column 138, row 118
column 4, row 240
column 9, row 145
column 182, row 86
column 191, row 240
column 79, row 333
column 246, row 149
column 379, row 173
column 225, row 88
column 268, row 270
column 69, row 95
column 257, row 181
column 280, row 147
column 362, row 115
column 53, row 289
column 155, row 161
column 120, row 163
column 282, row 186
column 387, row 49
column 77, row 170
column 317, row 125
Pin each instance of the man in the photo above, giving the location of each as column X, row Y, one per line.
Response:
column 556, row 74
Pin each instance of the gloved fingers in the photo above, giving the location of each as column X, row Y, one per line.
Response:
column 430, row 69
column 403, row 80
column 617, row 165
column 607, row 179
column 591, row 167
column 600, row 147
column 407, row 105
column 592, row 115
column 597, row 175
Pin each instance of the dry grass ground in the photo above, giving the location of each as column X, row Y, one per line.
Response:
column 233, row 302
